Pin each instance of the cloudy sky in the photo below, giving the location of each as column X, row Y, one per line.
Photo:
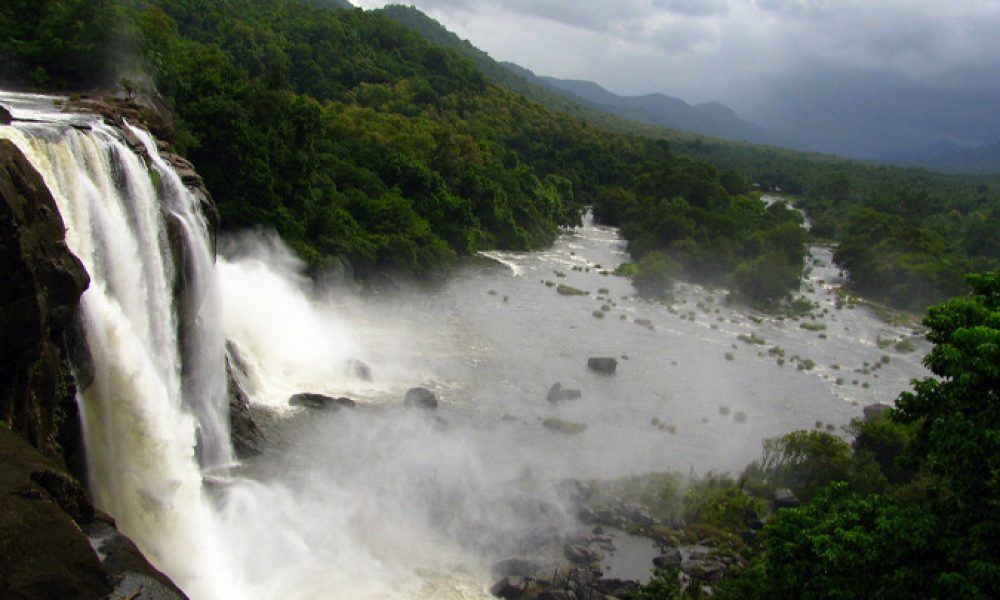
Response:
column 872, row 75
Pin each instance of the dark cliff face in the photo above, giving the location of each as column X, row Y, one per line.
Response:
column 43, row 282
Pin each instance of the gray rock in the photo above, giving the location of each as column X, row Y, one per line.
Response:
column 603, row 364
column 670, row 558
column 785, row 498
column 247, row 437
column 707, row 570
column 420, row 398
column 637, row 514
column 557, row 393
column 581, row 555
column 510, row 587
column 320, row 401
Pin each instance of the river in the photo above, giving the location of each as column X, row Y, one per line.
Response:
column 441, row 494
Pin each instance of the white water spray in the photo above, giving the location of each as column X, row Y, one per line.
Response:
column 145, row 414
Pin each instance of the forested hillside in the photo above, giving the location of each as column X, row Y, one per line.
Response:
column 358, row 140
column 907, row 236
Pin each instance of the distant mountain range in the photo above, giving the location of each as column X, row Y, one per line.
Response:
column 711, row 119
column 594, row 103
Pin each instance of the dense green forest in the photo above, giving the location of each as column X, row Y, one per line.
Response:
column 907, row 237
column 359, row 141
column 364, row 143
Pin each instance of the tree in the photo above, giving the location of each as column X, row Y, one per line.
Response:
column 842, row 545
column 957, row 420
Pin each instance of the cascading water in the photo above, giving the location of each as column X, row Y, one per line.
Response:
column 150, row 404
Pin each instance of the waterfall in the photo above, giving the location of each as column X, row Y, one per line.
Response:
column 156, row 413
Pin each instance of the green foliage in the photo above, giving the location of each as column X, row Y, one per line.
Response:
column 61, row 43
column 803, row 461
column 716, row 500
column 843, row 546
column 655, row 275
column 884, row 440
column 663, row 585
column 957, row 420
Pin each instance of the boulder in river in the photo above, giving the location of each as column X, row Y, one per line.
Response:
column 557, row 393
column 670, row 558
column 320, row 401
column 510, row 587
column 705, row 569
column 602, row 364
column 420, row 398
column 5, row 116
column 581, row 555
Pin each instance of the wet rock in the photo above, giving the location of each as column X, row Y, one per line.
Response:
column 67, row 492
column 707, row 570
column 420, row 397
column 50, row 532
column 637, row 514
column 785, row 498
column 247, row 437
column 132, row 574
column 320, row 401
column 5, row 116
column 602, row 364
column 42, row 284
column 873, row 411
column 581, row 555
column 557, row 393
column 510, row 587
column 670, row 558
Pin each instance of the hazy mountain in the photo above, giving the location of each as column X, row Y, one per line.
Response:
column 985, row 159
column 583, row 98
column 711, row 118
column 925, row 154
column 945, row 155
